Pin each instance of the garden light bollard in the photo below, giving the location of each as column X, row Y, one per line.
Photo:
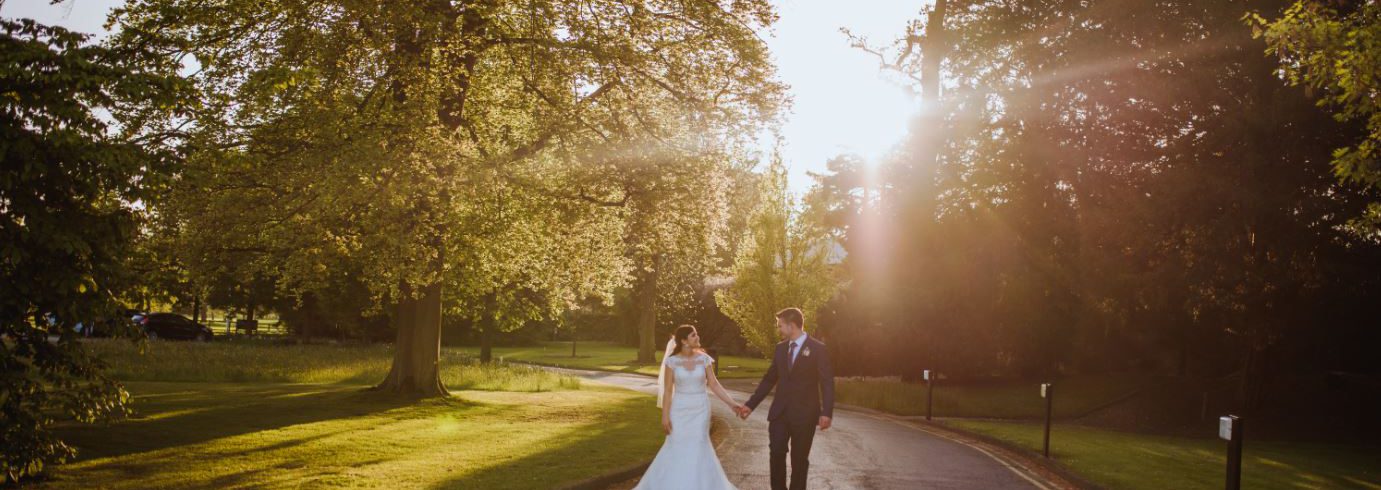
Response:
column 929, row 392
column 1230, row 429
column 1048, row 393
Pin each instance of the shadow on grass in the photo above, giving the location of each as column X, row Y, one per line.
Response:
column 170, row 419
column 599, row 447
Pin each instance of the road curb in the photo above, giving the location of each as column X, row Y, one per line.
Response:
column 1027, row 459
column 1027, row 456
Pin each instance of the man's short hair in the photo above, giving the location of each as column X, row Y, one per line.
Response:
column 793, row 316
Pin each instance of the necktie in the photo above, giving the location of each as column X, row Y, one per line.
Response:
column 791, row 356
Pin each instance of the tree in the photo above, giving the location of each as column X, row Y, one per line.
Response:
column 535, row 257
column 77, row 157
column 678, row 225
column 375, row 130
column 1334, row 48
column 786, row 262
column 1107, row 185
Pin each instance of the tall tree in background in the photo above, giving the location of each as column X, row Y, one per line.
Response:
column 910, row 184
column 784, row 262
column 77, row 156
column 678, row 227
column 1118, row 185
column 382, row 131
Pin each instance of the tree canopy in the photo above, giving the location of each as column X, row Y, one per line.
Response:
column 79, row 159
column 1103, row 186
column 785, row 261
column 455, row 143
column 1334, row 49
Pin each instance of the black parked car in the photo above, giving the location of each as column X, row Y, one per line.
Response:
column 174, row 327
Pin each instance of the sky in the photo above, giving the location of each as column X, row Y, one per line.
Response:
column 840, row 100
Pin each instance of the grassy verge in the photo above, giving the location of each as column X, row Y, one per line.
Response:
column 606, row 356
column 1137, row 461
column 285, row 416
column 1005, row 400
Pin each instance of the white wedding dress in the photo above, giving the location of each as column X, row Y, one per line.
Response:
column 687, row 461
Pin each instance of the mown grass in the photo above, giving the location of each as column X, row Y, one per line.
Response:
column 267, row 415
column 606, row 356
column 1075, row 396
column 265, row 362
column 262, row 435
column 1136, row 461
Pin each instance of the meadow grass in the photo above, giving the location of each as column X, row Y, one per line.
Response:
column 607, row 356
column 1077, row 395
column 271, row 415
column 1124, row 460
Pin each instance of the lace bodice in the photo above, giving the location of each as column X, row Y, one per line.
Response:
column 690, row 373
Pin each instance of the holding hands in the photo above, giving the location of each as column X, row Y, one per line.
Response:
column 743, row 411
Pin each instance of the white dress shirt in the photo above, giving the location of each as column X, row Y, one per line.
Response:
column 800, row 345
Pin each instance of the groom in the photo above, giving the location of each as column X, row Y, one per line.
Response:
column 804, row 399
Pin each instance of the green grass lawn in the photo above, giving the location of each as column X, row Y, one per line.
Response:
column 303, row 420
column 605, row 356
column 244, row 361
column 1006, row 400
column 1134, row 461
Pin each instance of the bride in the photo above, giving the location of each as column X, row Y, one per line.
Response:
column 687, row 460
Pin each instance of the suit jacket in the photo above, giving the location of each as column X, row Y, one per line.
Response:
column 805, row 391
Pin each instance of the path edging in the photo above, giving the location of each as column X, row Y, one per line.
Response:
column 1025, row 456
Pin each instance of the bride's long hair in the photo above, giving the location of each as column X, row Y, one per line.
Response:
column 679, row 336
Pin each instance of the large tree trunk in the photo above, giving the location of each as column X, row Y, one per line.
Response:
column 486, row 326
column 417, row 351
column 646, row 298
column 486, row 344
column 934, row 48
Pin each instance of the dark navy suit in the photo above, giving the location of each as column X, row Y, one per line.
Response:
column 805, row 392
